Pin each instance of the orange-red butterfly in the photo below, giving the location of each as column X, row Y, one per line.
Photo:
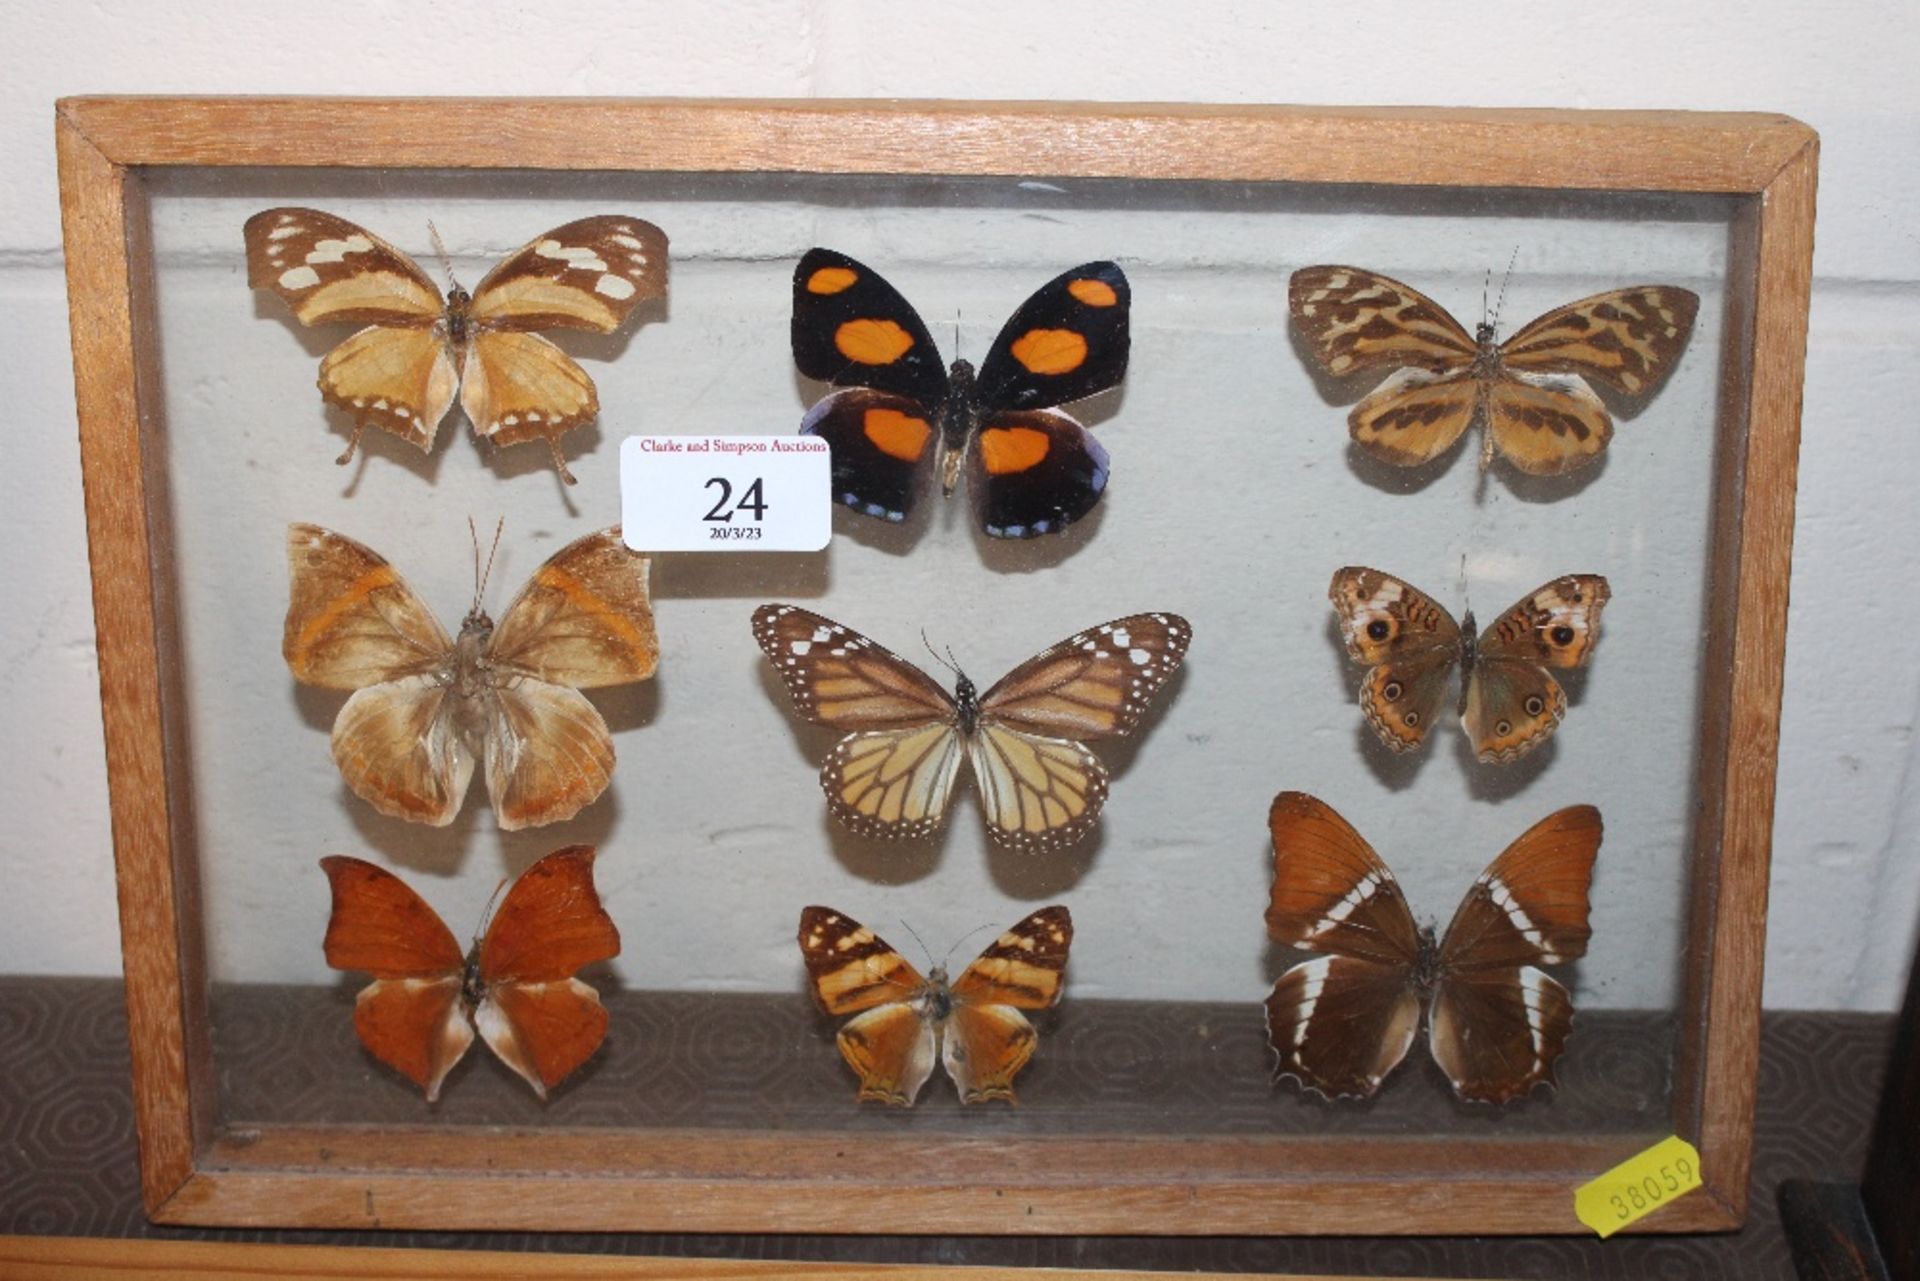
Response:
column 515, row 984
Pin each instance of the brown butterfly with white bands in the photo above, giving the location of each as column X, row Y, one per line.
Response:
column 1530, row 393
column 427, row 706
column 904, row 1023
column 1495, row 1022
column 515, row 984
column 400, row 373
column 1509, row 702
column 894, row 774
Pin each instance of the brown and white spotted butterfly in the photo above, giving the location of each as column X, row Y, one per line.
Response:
column 1509, row 702
column 903, row 1023
column 400, row 373
column 893, row 774
column 1495, row 1022
column 1530, row 393
column 426, row 706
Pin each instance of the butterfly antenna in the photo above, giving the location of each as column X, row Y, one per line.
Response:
column 480, row 582
column 962, row 939
column 486, row 916
column 944, row 662
column 924, row 950
column 440, row 249
column 1501, row 301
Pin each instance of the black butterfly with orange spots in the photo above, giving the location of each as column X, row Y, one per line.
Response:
column 903, row 414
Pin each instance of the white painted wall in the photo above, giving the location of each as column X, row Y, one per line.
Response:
column 1847, row 880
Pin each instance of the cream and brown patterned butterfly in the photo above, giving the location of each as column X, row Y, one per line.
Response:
column 1509, row 702
column 1530, row 393
column 893, row 774
column 400, row 373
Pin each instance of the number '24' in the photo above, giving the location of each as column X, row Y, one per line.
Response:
column 754, row 500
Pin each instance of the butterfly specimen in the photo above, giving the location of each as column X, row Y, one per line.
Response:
column 400, row 373
column 426, row 706
column 904, row 1022
column 515, row 984
column 1495, row 1023
column 1509, row 702
column 1530, row 393
column 904, row 415
column 893, row 774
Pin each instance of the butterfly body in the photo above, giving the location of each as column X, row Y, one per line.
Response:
column 515, row 985
column 1530, row 396
column 426, row 708
column 904, row 1024
column 893, row 775
column 1496, row 1022
column 1509, row 703
column 402, row 371
column 903, row 415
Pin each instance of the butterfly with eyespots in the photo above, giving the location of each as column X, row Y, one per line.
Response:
column 1509, row 701
column 1496, row 1023
column 893, row 774
column 1530, row 394
column 905, row 1023
column 401, row 372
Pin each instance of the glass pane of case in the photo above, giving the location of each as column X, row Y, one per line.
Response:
column 1235, row 494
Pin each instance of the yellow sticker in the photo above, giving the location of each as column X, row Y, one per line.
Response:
column 1638, row 1186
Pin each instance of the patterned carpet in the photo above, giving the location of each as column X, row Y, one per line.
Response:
column 67, row 1156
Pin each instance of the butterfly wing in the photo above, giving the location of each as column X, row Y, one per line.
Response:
column 352, row 621
column 853, row 971
column 1041, row 789
column 853, row 329
column 549, row 754
column 584, row 619
column 1499, row 1023
column 1629, row 339
column 398, row 374
column 587, row 274
column 1415, row 415
column 517, row 387
column 1406, row 640
column 1341, row 1022
column 1546, row 424
column 893, row 775
column 1034, row 472
column 988, row 1040
column 1355, row 320
column 330, row 271
column 883, row 448
column 1068, row 341
column 410, row 1016
column 541, row 1020
column 1512, row 704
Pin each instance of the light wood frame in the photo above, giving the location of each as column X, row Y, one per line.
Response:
column 676, row 1181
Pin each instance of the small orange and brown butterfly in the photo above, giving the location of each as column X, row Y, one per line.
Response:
column 1509, row 701
column 1530, row 394
column 904, row 415
column 516, row 984
column 401, row 372
column 904, row 1023
column 426, row 706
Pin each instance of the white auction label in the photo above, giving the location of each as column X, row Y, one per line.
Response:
column 726, row 493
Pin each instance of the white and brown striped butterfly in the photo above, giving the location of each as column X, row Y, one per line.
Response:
column 1509, row 702
column 426, row 706
column 1530, row 393
column 400, row 373
column 1495, row 1022
column 904, row 1023
column 893, row 774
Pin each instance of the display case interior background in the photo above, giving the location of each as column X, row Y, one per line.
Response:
column 1261, row 525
